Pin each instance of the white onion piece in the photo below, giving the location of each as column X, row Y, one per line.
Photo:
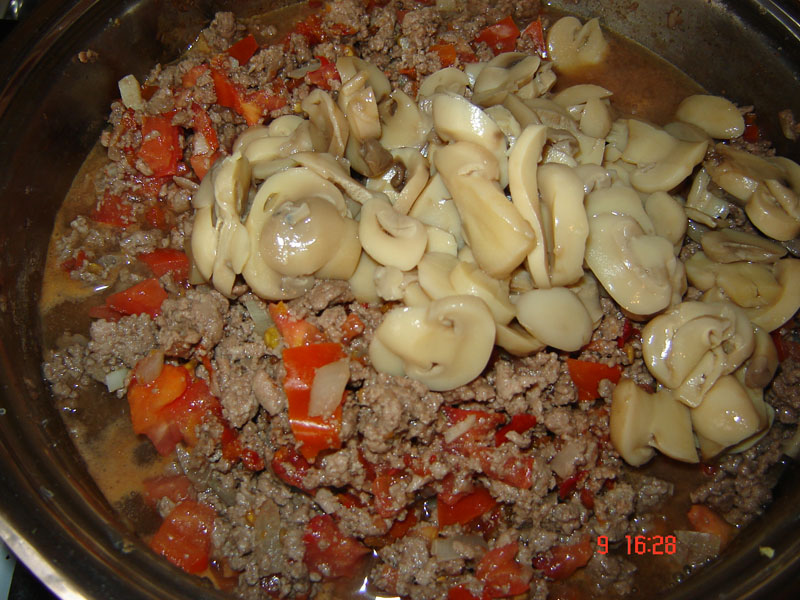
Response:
column 328, row 388
column 563, row 463
column 149, row 367
column 445, row 548
column 115, row 380
column 461, row 427
column 131, row 92
column 261, row 318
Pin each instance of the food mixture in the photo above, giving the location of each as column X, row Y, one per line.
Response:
column 428, row 300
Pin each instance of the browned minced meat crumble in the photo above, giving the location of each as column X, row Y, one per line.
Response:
column 385, row 418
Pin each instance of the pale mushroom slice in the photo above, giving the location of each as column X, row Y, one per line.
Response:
column 296, row 225
column 740, row 173
column 440, row 240
column 514, row 339
column 456, row 119
column 391, row 282
column 362, row 281
column 588, row 292
column 350, row 66
column 504, row 74
column 668, row 217
column 444, row 345
column 329, row 121
column 749, row 285
column 404, row 181
column 497, row 234
column 325, row 165
column 392, row 239
column 621, row 200
column 403, row 123
column 468, row 279
column 691, row 346
column 715, row 115
column 564, row 222
column 587, row 104
column 762, row 365
column 571, row 45
column 433, row 272
column 786, row 304
column 639, row 271
column 727, row 414
column 435, row 207
column 507, row 123
column 702, row 205
column 630, row 420
column 555, row 316
column 524, row 188
column 731, row 245
column 774, row 209
column 640, row 421
column 449, row 79
column 359, row 106
column 544, row 80
column 662, row 160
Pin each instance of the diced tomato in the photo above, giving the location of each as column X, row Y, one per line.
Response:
column 535, row 31
column 502, row 575
column 382, row 490
column 324, row 75
column 447, row 53
column 518, row 424
column 203, row 125
column 478, row 435
column 628, row 332
column 160, row 148
column 156, row 217
column 466, row 508
column 146, row 402
column 188, row 411
column 244, row 49
column 311, row 29
column 184, row 537
column 74, row 262
column 328, row 551
column 587, row 498
column 226, row 92
column 143, row 297
column 191, row 76
column 175, row 487
column 234, row 451
column 201, row 163
column 113, row 210
column 342, row 29
column 105, row 312
column 352, row 327
column 500, row 37
column 401, row 528
column 314, row 433
column 562, row 561
column 167, row 260
column 295, row 332
column 515, row 470
column 290, row 466
column 751, row 129
column 460, row 592
column 568, row 485
column 705, row 520
column 587, row 375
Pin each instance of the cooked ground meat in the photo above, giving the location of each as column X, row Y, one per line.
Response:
column 513, row 471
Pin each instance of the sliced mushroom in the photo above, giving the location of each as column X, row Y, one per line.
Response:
column 504, row 74
column 498, row 236
column 639, row 271
column 738, row 172
column 763, row 363
column 350, row 66
column 362, row 281
column 328, row 119
column 556, row 316
column 691, row 346
column 588, row 105
column 391, row 282
column 668, row 216
column 440, row 240
column 630, row 421
column 702, row 205
column 749, row 285
column 620, row 199
column 434, row 274
column 466, row 278
column 730, row 245
column 672, row 428
column 326, row 166
column 727, row 414
column 435, row 207
column 787, row 303
column 390, row 238
column 588, row 292
column 450, row 79
column 444, row 345
column 404, row 124
column 775, row 210
column 715, row 115
column 543, row 82
column 571, row 45
column 458, row 120
column 507, row 123
column 405, row 180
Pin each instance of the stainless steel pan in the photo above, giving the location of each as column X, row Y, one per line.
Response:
column 52, row 108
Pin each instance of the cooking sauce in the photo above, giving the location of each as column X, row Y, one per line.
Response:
column 643, row 86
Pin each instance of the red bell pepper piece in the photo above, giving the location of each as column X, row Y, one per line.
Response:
column 587, row 375
column 465, row 508
column 705, row 520
column 518, row 424
column 535, row 31
column 562, row 561
column 167, row 260
column 500, row 37
column 113, row 210
column 184, row 537
column 143, row 297
column 328, row 551
column 160, row 148
column 244, row 49
column 501, row 574
column 324, row 75
column 447, row 54
column 295, row 332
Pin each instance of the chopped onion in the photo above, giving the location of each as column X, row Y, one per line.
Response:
column 563, row 463
column 300, row 72
column 261, row 318
column 445, row 548
column 131, row 92
column 328, row 388
column 150, row 367
column 115, row 380
column 459, row 428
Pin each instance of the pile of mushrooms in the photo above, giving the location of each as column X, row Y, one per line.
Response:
column 493, row 211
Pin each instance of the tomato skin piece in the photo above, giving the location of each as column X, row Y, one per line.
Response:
column 328, row 551
column 535, row 31
column 518, row 424
column 146, row 402
column 290, row 466
column 324, row 75
column 705, row 520
column 587, row 375
column 478, row 436
column 515, row 470
column 244, row 49
column 502, row 575
column 160, row 148
column 175, row 487
column 446, row 52
column 202, row 124
column 295, row 332
column 314, row 433
column 562, row 561
column 466, row 508
column 113, row 210
column 184, row 537
column 500, row 37
column 167, row 260
column 191, row 76
column 143, row 297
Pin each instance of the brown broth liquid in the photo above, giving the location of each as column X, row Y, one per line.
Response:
column 643, row 86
